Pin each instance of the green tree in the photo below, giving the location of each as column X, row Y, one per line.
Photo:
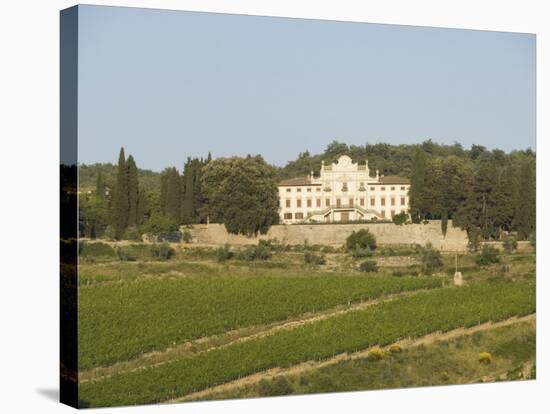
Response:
column 241, row 193
column 171, row 193
column 524, row 221
column 120, row 197
column 132, row 192
column 418, row 195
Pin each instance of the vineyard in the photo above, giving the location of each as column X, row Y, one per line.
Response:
column 119, row 321
column 380, row 324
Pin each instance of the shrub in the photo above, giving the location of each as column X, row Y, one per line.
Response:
column 510, row 243
column 277, row 386
column 487, row 256
column 400, row 218
column 312, row 258
column 186, row 236
column 395, row 349
column 259, row 252
column 375, row 354
column 109, row 233
column 361, row 239
column 132, row 233
column 485, row 358
column 223, row 253
column 125, row 254
column 159, row 223
column 162, row 251
column 431, row 259
column 368, row 266
column 359, row 252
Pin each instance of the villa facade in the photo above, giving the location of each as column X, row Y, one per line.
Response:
column 344, row 191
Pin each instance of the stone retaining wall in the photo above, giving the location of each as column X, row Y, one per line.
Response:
column 336, row 234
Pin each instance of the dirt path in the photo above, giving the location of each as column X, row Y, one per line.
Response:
column 311, row 365
column 157, row 358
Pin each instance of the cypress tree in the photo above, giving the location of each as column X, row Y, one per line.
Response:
column 171, row 193
column 120, row 198
column 418, row 189
column 132, row 191
column 525, row 201
column 188, row 205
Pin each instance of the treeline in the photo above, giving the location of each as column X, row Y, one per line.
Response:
column 238, row 192
column 488, row 195
column 486, row 192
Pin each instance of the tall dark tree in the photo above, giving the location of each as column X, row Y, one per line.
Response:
column 132, row 191
column 120, row 202
column 525, row 201
column 418, row 193
column 188, row 203
column 171, row 193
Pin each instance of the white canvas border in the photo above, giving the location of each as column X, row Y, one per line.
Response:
column 29, row 131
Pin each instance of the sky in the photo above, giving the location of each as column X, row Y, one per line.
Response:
column 167, row 85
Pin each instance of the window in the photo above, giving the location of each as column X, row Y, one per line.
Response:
column 372, row 188
column 338, row 202
column 393, row 201
column 372, row 201
column 392, row 213
column 288, row 190
column 299, row 216
column 288, row 216
column 299, row 190
column 381, row 188
column 344, row 187
column 393, row 188
column 327, row 202
column 298, row 203
column 308, row 202
column 309, row 189
column 287, row 203
column 383, row 201
column 318, row 202
column 402, row 188
column 351, row 202
column 402, row 201
column 362, row 201
column 318, row 189
column 383, row 213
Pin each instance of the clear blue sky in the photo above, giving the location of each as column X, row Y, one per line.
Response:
column 168, row 84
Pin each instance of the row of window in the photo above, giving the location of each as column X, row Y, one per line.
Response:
column 300, row 216
column 309, row 202
column 344, row 188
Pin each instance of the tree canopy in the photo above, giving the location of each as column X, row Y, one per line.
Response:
column 241, row 193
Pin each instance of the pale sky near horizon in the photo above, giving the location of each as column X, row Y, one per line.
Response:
column 169, row 84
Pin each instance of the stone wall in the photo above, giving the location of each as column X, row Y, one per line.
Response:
column 336, row 234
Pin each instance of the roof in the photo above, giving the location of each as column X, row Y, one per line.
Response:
column 393, row 179
column 295, row 182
